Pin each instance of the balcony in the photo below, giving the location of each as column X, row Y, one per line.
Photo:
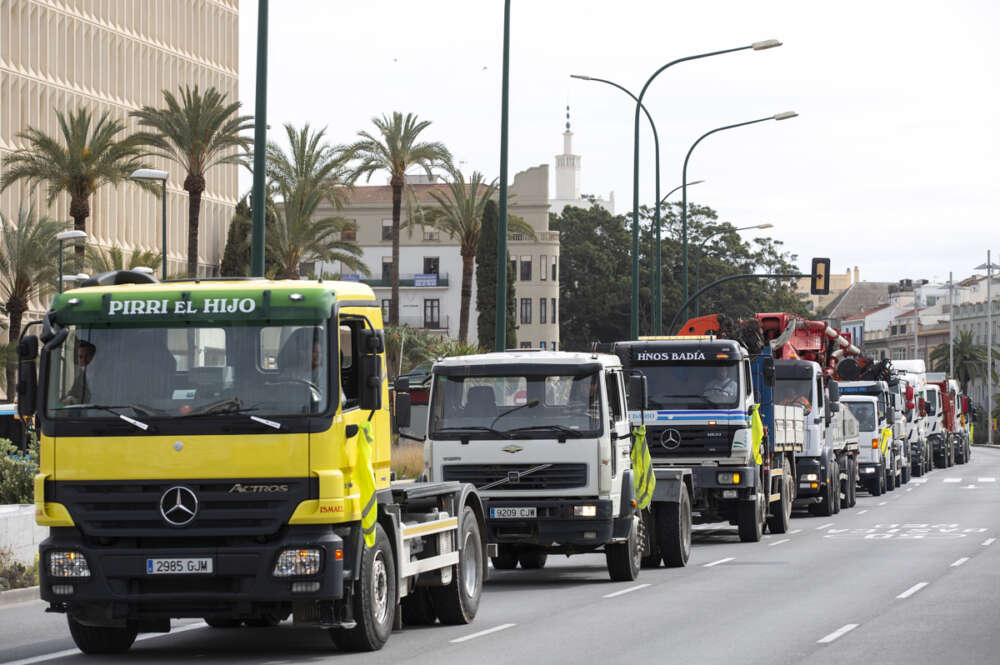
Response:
column 417, row 322
column 419, row 281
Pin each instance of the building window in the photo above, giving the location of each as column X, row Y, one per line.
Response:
column 386, row 306
column 513, row 270
column 553, row 345
column 349, row 235
column 431, row 235
column 553, row 310
column 386, row 229
column 542, row 311
column 432, row 265
column 543, row 268
column 555, row 260
column 525, row 310
column 386, row 268
column 432, row 313
column 525, row 268
column 525, row 345
column 541, row 345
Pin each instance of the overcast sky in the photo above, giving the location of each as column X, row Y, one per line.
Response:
column 892, row 165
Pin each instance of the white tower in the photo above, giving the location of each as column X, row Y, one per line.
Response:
column 568, row 168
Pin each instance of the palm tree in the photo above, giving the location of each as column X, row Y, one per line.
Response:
column 395, row 150
column 26, row 266
column 311, row 173
column 459, row 213
column 88, row 156
column 114, row 259
column 970, row 359
column 197, row 132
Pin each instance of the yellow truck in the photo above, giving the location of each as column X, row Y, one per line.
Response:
column 220, row 449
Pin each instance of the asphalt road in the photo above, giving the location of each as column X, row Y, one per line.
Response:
column 910, row 577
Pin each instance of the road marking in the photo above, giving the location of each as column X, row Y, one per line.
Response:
column 75, row 652
column 883, row 503
column 843, row 630
column 823, row 526
column 959, row 562
column 716, row 563
column 862, row 512
column 989, row 541
column 913, row 589
column 910, row 489
column 794, row 531
column 495, row 629
column 970, row 487
column 778, row 542
column 625, row 591
column 952, row 480
column 986, row 480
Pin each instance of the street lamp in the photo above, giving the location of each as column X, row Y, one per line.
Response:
column 701, row 246
column 63, row 236
column 988, row 267
column 156, row 174
column 756, row 46
column 656, row 295
column 684, row 204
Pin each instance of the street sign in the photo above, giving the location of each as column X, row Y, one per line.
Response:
column 820, row 277
column 427, row 279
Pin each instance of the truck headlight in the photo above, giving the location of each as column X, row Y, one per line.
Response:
column 810, row 477
column 295, row 562
column 728, row 478
column 589, row 510
column 867, row 469
column 68, row 564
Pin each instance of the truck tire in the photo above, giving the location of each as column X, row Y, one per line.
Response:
column 506, row 558
column 890, row 478
column 852, row 482
column 457, row 603
column 625, row 559
column 673, row 531
column 838, row 486
column 374, row 599
column 532, row 560
column 779, row 521
column 750, row 517
column 650, row 521
column 825, row 507
column 418, row 608
column 101, row 639
column 906, row 473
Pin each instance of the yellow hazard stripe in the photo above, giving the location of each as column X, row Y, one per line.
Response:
column 432, row 526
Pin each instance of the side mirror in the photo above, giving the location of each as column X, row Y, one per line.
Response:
column 834, row 391
column 638, row 398
column 370, row 387
column 27, row 376
column 910, row 405
column 890, row 415
column 923, row 407
column 402, row 404
column 909, row 395
column 371, row 342
column 768, row 370
column 965, row 405
column 834, row 407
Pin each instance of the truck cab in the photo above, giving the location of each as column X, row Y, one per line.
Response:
column 937, row 432
column 875, row 453
column 896, row 465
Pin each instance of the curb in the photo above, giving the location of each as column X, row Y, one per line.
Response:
column 15, row 596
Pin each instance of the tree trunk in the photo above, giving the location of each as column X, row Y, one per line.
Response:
column 468, row 259
column 15, row 311
column 79, row 210
column 397, row 183
column 195, row 185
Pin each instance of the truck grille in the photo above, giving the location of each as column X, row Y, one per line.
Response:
column 131, row 509
column 689, row 441
column 553, row 477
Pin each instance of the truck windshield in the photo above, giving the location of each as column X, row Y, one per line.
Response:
column 518, row 406
column 692, row 386
column 865, row 414
column 794, row 392
column 165, row 372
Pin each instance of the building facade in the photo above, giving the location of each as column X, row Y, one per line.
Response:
column 971, row 317
column 116, row 56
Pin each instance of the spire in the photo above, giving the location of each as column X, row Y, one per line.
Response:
column 567, row 117
column 567, row 167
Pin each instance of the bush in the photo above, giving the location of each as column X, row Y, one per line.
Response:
column 14, row 574
column 17, row 472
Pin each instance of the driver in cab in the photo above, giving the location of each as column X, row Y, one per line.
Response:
column 722, row 387
column 788, row 395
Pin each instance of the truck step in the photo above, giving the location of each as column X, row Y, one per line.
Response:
column 775, row 497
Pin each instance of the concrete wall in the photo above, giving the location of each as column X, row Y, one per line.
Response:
column 19, row 532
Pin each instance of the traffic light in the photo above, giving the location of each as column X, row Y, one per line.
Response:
column 820, row 278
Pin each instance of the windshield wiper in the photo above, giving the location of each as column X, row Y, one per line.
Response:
column 111, row 409
column 232, row 407
column 530, row 404
column 473, row 428
column 552, row 427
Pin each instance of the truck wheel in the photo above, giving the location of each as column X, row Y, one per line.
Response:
column 825, row 507
column 906, row 473
column 458, row 602
column 506, row 558
column 101, row 639
column 890, row 478
column 836, row 489
column 650, row 544
column 778, row 522
column 673, row 531
column 750, row 517
column 625, row 559
column 418, row 608
column 852, row 482
column 531, row 560
column 374, row 599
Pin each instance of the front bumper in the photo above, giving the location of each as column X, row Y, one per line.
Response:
column 868, row 472
column 808, row 488
column 241, row 584
column 938, row 443
column 555, row 523
column 706, row 480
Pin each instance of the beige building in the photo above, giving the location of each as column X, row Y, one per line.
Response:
column 839, row 282
column 116, row 56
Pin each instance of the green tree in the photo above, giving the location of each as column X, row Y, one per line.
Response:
column 311, row 173
column 486, row 282
column 459, row 213
column 970, row 359
column 236, row 254
column 99, row 260
column 27, row 270
column 88, row 156
column 197, row 132
column 395, row 150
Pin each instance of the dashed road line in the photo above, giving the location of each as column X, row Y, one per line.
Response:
column 794, row 531
column 488, row 631
column 716, row 563
column 778, row 542
column 75, row 652
column 862, row 512
column 823, row 526
column 959, row 562
column 883, row 503
column 840, row 632
column 625, row 591
column 989, row 541
column 988, row 479
column 952, row 480
column 912, row 590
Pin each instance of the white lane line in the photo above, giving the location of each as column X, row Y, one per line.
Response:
column 488, row 631
column 625, row 591
column 862, row 512
column 843, row 630
column 794, row 531
column 823, row 526
column 989, row 541
column 987, row 480
column 716, row 563
column 778, row 542
column 959, row 562
column 910, row 489
column 883, row 503
column 913, row 589
column 75, row 652
column 952, row 480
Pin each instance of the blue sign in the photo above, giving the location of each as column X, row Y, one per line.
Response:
column 430, row 279
column 350, row 278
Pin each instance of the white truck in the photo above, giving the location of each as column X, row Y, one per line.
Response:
column 875, row 455
column 545, row 437
column 914, row 374
column 897, row 465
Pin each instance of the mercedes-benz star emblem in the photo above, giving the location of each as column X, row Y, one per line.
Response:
column 178, row 505
column 670, row 439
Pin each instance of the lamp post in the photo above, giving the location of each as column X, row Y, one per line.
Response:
column 156, row 174
column 655, row 247
column 260, row 146
column 63, row 236
column 499, row 343
column 684, row 237
column 988, row 267
column 701, row 246
column 951, row 324
column 756, row 46
column 656, row 295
